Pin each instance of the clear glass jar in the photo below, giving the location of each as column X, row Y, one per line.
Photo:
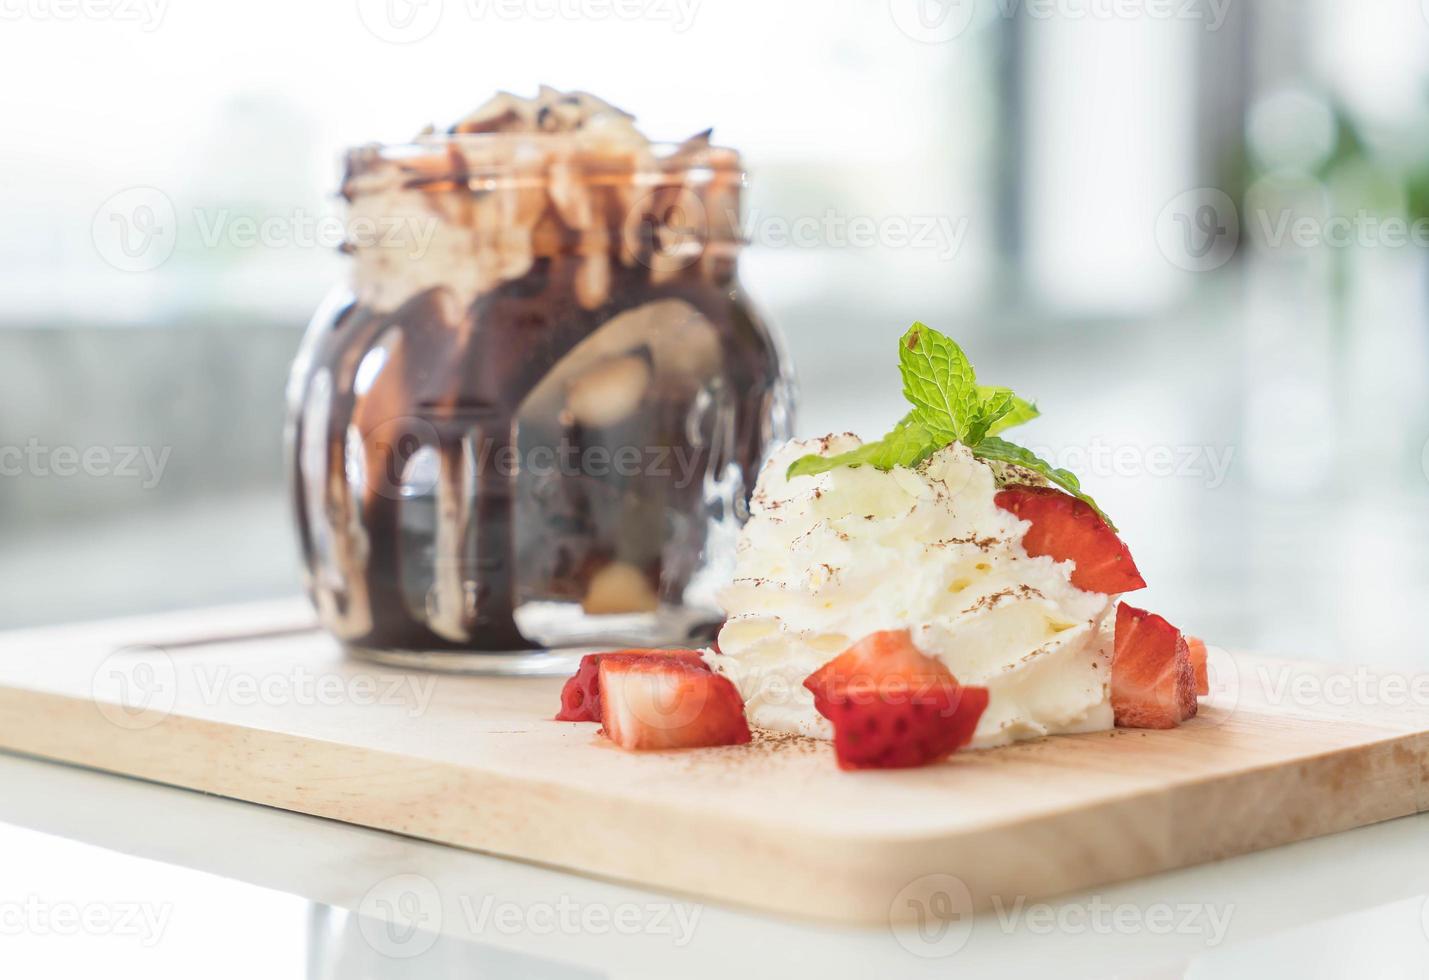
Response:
column 530, row 423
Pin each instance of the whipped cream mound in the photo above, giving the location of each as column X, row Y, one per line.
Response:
column 825, row 560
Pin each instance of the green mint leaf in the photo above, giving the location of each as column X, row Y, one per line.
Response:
column 948, row 406
column 993, row 405
column 999, row 450
column 1021, row 411
column 940, row 383
column 907, row 445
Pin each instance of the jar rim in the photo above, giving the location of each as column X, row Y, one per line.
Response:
column 526, row 159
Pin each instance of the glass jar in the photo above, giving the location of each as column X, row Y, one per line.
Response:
column 529, row 425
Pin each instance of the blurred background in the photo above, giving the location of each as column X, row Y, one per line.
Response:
column 1196, row 231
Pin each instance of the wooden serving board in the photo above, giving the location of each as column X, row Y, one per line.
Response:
column 253, row 703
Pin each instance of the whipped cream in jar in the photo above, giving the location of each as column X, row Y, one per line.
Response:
column 530, row 423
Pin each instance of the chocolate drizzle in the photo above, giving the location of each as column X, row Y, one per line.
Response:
column 451, row 388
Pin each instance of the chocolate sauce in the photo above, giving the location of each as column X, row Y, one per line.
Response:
column 451, row 388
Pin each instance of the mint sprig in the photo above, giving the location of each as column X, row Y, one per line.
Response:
column 907, row 445
column 948, row 406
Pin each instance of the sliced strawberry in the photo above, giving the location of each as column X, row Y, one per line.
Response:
column 892, row 706
column 1153, row 683
column 1068, row 529
column 580, row 698
column 888, row 656
column 668, row 703
column 1197, row 649
column 878, row 729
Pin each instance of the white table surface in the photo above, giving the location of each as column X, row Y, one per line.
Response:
column 106, row 876
column 176, row 884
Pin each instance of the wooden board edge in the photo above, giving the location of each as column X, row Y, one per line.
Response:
column 808, row 876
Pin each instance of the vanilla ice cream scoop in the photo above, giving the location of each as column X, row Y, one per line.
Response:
column 827, row 559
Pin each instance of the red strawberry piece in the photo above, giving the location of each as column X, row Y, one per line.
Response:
column 1197, row 649
column 1153, row 683
column 888, row 656
column 876, row 730
column 1069, row 529
column 668, row 703
column 580, row 698
column 892, row 706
